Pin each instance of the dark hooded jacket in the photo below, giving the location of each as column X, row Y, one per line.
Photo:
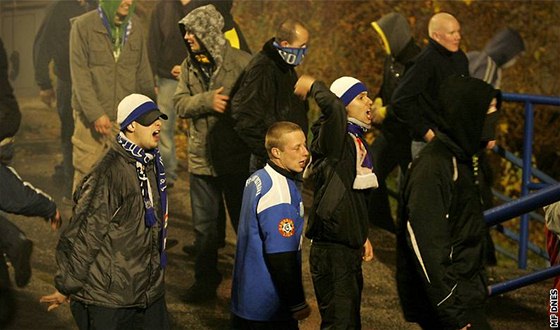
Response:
column 401, row 48
column 265, row 95
column 415, row 101
column 440, row 271
column 502, row 48
column 214, row 147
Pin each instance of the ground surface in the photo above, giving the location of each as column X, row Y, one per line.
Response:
column 38, row 152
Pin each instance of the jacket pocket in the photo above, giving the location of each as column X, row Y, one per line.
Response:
column 333, row 194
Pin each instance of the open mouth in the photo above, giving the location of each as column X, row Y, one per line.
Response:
column 368, row 114
column 156, row 133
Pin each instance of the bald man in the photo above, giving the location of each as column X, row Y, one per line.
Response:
column 415, row 101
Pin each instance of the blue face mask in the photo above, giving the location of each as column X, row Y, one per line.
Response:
column 291, row 55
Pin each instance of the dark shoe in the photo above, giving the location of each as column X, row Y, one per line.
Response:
column 22, row 263
column 189, row 249
column 7, row 307
column 58, row 174
column 171, row 242
column 200, row 293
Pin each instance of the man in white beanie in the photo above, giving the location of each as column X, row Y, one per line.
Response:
column 111, row 257
column 343, row 176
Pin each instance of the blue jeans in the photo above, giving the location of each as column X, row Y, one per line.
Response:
column 207, row 196
column 166, row 89
column 64, row 108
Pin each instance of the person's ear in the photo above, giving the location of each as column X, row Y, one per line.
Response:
column 284, row 43
column 131, row 127
column 435, row 36
column 275, row 152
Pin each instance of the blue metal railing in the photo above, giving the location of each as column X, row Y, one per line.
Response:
column 528, row 171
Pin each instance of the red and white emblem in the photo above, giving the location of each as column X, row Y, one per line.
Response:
column 286, row 227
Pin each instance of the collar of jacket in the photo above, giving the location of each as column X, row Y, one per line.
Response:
column 271, row 52
column 440, row 49
column 288, row 174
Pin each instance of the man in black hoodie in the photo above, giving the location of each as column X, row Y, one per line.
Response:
column 440, row 235
column 415, row 101
column 391, row 147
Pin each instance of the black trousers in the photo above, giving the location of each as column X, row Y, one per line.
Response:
column 11, row 238
column 387, row 153
column 336, row 271
column 238, row 323
column 91, row 317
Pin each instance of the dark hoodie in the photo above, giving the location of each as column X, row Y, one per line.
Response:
column 400, row 47
column 440, row 271
column 501, row 49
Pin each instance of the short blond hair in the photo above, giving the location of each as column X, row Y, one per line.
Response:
column 275, row 134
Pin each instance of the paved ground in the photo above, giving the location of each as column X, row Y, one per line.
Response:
column 38, row 152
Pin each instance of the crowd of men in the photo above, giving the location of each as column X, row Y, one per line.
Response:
column 118, row 94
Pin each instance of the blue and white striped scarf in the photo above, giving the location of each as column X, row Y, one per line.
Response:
column 142, row 159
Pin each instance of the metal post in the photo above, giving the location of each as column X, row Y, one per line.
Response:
column 523, row 281
column 525, row 181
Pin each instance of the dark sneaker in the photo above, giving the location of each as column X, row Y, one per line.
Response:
column 189, row 249
column 22, row 263
column 200, row 293
column 171, row 242
column 7, row 307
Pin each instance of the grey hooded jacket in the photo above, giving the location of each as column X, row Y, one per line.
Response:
column 214, row 147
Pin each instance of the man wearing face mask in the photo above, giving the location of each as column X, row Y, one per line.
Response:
column 264, row 94
column 440, row 234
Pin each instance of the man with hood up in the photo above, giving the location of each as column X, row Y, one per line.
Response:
column 391, row 147
column 499, row 53
column 440, row 263
column 218, row 159
column 108, row 61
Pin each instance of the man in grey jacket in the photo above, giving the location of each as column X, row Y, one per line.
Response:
column 218, row 159
column 108, row 60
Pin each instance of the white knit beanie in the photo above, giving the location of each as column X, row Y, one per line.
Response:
column 347, row 88
column 137, row 107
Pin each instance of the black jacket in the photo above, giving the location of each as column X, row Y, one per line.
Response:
column 107, row 256
column 52, row 42
column 440, row 271
column 339, row 213
column 21, row 198
column 165, row 42
column 10, row 116
column 265, row 95
column 415, row 101
column 393, row 71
